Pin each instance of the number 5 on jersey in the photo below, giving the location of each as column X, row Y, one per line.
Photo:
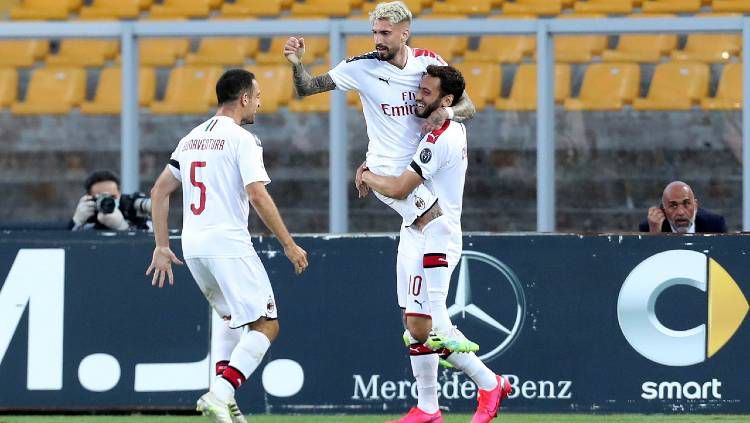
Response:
column 201, row 186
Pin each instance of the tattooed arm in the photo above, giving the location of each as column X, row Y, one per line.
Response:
column 306, row 84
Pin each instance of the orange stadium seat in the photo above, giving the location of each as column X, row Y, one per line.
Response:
column 224, row 51
column 503, row 48
column 322, row 7
column 162, row 51
column 579, row 48
column 604, row 6
column 276, row 87
column 446, row 46
column 84, row 52
column 315, row 47
column 22, row 52
column 729, row 93
column 52, row 91
column 671, row 6
column 523, row 93
column 184, row 8
column 415, row 6
column 252, row 8
column 45, row 9
column 712, row 48
column 113, row 9
column 469, row 7
column 741, row 6
column 482, row 82
column 190, row 90
column 641, row 48
column 607, row 86
column 320, row 102
column 534, row 7
column 108, row 97
column 359, row 44
column 8, row 86
column 676, row 86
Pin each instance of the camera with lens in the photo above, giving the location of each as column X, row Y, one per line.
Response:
column 135, row 207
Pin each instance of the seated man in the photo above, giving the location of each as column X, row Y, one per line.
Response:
column 679, row 213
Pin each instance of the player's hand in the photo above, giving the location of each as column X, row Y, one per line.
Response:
column 294, row 49
column 655, row 219
column 297, row 256
column 85, row 209
column 435, row 120
column 115, row 220
column 362, row 188
column 161, row 265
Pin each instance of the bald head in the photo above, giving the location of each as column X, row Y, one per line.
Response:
column 679, row 205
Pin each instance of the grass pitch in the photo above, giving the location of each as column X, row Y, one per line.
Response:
column 452, row 418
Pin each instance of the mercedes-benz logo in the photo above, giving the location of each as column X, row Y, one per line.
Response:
column 507, row 332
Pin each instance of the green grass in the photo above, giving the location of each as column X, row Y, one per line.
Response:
column 449, row 418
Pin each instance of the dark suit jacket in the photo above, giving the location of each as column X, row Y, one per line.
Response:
column 705, row 222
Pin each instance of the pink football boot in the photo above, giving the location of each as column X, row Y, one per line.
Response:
column 489, row 401
column 415, row 415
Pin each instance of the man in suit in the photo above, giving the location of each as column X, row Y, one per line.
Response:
column 679, row 213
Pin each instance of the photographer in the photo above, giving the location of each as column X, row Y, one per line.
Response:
column 103, row 207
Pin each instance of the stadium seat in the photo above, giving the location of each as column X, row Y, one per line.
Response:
column 241, row 8
column 223, row 51
column 108, row 97
column 503, row 48
column 184, row 8
column 52, row 91
column 446, row 46
column 482, row 82
column 8, row 86
column 534, row 7
column 322, row 7
column 190, row 90
column 314, row 47
column 740, row 6
column 162, row 51
column 607, row 86
column 276, row 87
column 711, row 48
column 415, row 6
column 112, row 9
column 84, row 52
column 604, row 6
column 671, row 6
column 523, row 93
column 579, row 48
column 45, row 9
column 469, row 7
column 642, row 48
column 729, row 93
column 320, row 102
column 22, row 52
column 359, row 44
column 676, row 86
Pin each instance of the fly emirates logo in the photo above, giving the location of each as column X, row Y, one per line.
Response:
column 408, row 108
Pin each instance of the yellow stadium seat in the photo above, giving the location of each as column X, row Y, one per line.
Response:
column 604, row 6
column 579, row 48
column 534, row 7
column 741, row 6
column 447, row 47
column 469, row 7
column 671, row 6
column 642, row 48
column 322, row 7
column 252, row 8
column 415, row 6
column 112, row 9
column 190, row 90
column 22, row 52
column 108, row 97
column 223, row 51
column 359, row 44
column 184, row 8
column 52, row 91
column 523, row 93
column 320, row 102
column 503, row 48
column 84, row 52
column 482, row 82
column 729, row 93
column 45, row 9
column 8, row 86
column 607, row 86
column 276, row 87
column 675, row 86
column 162, row 51
column 712, row 48
column 315, row 47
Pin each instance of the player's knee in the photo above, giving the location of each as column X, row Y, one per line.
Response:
column 268, row 327
column 419, row 328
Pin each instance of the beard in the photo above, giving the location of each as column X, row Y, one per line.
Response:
column 385, row 55
column 427, row 109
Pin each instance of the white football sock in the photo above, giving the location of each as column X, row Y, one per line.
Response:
column 424, row 367
column 470, row 364
column 437, row 235
column 223, row 339
column 249, row 352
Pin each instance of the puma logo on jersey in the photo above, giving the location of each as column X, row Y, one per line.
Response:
column 386, row 80
column 420, row 304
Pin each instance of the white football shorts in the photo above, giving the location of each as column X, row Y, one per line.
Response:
column 235, row 286
column 412, row 285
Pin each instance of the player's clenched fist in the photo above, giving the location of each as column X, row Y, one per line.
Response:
column 655, row 219
column 294, row 49
column 297, row 256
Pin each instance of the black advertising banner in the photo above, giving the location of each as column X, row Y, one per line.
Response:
column 622, row 323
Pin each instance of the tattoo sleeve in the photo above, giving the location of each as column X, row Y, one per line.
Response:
column 306, row 84
column 464, row 110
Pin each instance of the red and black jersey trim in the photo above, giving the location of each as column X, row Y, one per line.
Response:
column 174, row 163
column 432, row 260
column 371, row 55
column 433, row 136
column 416, row 168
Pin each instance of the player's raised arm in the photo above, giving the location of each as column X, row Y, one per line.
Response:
column 163, row 257
column 304, row 83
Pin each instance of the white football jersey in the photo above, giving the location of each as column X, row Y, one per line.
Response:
column 441, row 161
column 215, row 162
column 388, row 97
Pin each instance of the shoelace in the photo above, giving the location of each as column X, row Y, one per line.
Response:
column 234, row 409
